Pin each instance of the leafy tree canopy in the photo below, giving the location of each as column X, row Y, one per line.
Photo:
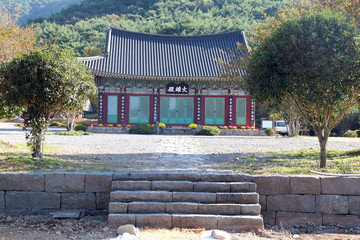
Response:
column 28, row 9
column 312, row 61
column 85, row 25
column 45, row 82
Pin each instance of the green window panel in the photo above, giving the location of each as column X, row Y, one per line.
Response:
column 214, row 111
column 139, row 109
column 112, row 109
column 176, row 110
column 241, row 111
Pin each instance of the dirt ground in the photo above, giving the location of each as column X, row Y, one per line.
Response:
column 39, row 227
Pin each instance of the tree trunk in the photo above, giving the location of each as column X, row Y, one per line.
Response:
column 323, row 136
column 70, row 119
column 36, row 143
column 36, row 154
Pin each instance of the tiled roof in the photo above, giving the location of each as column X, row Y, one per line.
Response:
column 151, row 55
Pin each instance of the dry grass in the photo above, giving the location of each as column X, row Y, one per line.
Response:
column 173, row 234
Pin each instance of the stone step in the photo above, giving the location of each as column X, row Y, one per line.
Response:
column 184, row 208
column 180, row 175
column 187, row 221
column 199, row 197
column 184, row 186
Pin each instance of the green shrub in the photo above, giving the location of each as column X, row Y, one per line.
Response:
column 141, row 129
column 72, row 133
column 351, row 134
column 55, row 124
column 81, row 127
column 269, row 132
column 301, row 132
column 209, row 131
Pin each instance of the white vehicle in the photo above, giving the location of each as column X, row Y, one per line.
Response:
column 281, row 128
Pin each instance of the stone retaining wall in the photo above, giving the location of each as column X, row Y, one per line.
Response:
column 23, row 193
column 285, row 200
column 318, row 200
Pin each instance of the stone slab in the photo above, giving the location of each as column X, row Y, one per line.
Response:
column 182, row 207
column 291, row 218
column 243, row 187
column 156, row 175
column 291, row 203
column 98, row 182
column 250, row 209
column 2, row 200
column 146, row 207
column 194, row 197
column 115, row 220
column 118, row 207
column 32, row 200
column 220, row 209
column 64, row 182
column 272, row 185
column 131, row 185
column 225, row 177
column 194, row 221
column 349, row 220
column 340, row 185
column 240, row 223
column 305, row 185
column 67, row 215
column 269, row 217
column 354, row 205
column 237, row 198
column 153, row 220
column 332, row 204
column 22, row 181
column 179, row 186
column 262, row 202
column 102, row 200
column 150, row 196
column 211, row 187
column 83, row 201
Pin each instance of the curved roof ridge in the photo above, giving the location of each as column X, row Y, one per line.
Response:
column 177, row 36
column 130, row 53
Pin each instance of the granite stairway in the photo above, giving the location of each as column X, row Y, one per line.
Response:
column 184, row 200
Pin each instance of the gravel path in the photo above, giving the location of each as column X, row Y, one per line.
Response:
column 168, row 151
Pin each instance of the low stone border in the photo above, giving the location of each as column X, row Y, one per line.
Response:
column 285, row 200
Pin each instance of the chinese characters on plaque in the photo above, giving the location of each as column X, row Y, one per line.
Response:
column 252, row 120
column 101, row 106
column 122, row 107
column 155, row 107
column 198, row 109
column 230, row 109
column 174, row 88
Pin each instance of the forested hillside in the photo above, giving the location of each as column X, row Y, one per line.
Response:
column 83, row 27
column 35, row 8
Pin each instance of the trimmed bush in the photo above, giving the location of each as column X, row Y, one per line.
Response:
column 209, row 131
column 57, row 124
column 351, row 134
column 141, row 129
column 269, row 132
column 72, row 133
column 81, row 127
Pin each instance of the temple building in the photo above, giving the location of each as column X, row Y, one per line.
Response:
column 176, row 80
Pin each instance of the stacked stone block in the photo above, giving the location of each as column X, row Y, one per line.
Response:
column 309, row 199
column 182, row 199
column 60, row 191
